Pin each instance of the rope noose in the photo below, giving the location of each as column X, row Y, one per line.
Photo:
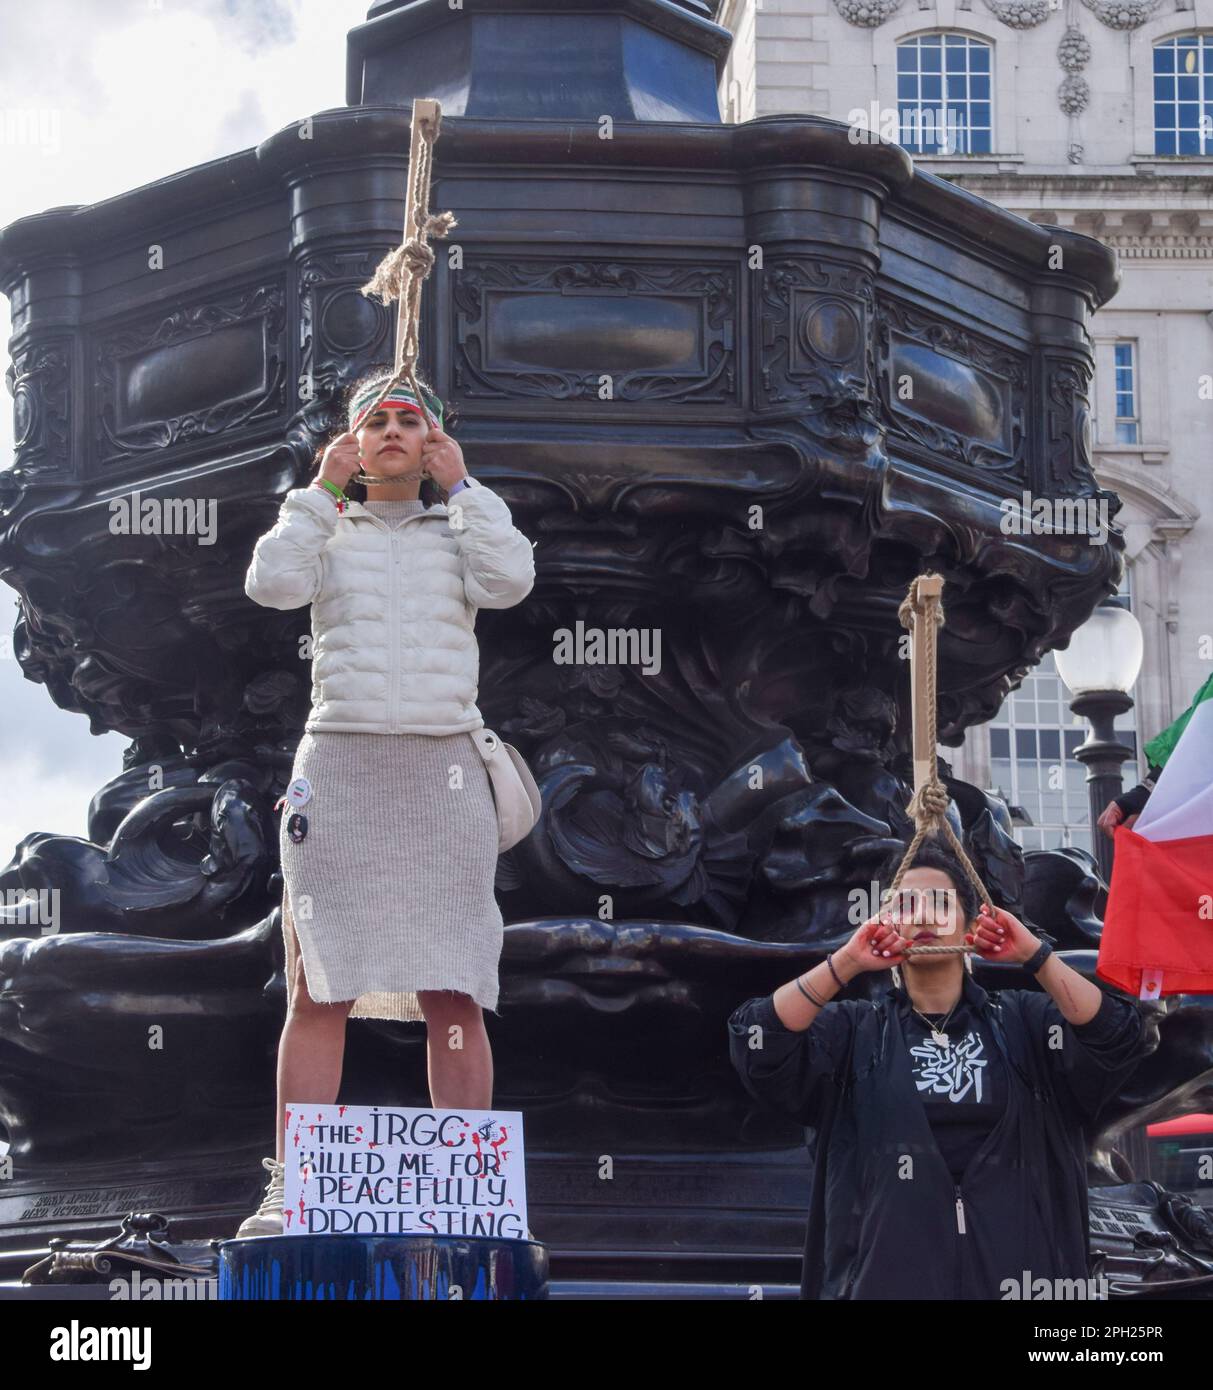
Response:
column 929, row 804
column 402, row 272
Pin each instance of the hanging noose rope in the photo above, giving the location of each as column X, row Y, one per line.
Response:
column 921, row 614
column 402, row 272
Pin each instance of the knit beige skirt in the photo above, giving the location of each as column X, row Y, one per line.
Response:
column 391, row 889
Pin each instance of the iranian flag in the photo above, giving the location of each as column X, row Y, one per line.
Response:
column 1158, row 929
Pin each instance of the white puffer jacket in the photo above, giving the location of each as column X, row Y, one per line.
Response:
column 393, row 611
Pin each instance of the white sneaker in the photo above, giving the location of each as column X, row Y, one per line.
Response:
column 267, row 1219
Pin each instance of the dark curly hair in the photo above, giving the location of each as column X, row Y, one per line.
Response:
column 430, row 492
column 934, row 854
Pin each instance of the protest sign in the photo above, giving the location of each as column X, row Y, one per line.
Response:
column 391, row 1170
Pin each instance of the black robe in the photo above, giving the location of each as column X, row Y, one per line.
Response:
column 885, row 1217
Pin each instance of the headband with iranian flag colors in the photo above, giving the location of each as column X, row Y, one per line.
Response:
column 401, row 397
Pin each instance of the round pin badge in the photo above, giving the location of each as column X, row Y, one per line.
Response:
column 299, row 793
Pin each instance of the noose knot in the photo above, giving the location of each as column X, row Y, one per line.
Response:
column 417, row 257
column 930, row 802
column 911, row 605
column 413, row 260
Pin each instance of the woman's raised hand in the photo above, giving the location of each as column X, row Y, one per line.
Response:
column 876, row 945
column 999, row 936
column 342, row 459
column 443, row 459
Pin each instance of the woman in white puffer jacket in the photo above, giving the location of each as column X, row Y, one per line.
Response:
column 389, row 832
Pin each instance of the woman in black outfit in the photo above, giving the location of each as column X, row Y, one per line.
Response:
column 949, row 1147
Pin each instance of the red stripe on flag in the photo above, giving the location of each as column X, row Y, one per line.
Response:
column 1153, row 919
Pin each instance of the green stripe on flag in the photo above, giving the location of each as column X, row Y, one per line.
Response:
column 1159, row 748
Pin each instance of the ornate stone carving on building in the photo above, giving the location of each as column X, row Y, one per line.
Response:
column 1073, row 94
column 1122, row 14
column 867, row 13
column 1074, row 51
column 1020, row 14
column 1015, row 14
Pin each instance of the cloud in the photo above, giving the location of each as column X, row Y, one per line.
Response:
column 245, row 123
column 144, row 89
column 256, row 23
column 51, row 793
column 96, row 100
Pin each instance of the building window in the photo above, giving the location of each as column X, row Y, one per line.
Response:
column 1183, row 95
column 1032, row 763
column 943, row 94
column 1126, row 394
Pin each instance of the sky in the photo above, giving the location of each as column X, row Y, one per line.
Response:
column 98, row 97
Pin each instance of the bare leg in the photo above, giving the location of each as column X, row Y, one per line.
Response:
column 311, row 1050
column 457, row 1050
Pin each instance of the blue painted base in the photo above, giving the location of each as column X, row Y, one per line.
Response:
column 359, row 1268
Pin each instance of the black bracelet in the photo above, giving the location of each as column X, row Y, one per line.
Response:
column 830, row 963
column 821, row 1003
column 1042, row 955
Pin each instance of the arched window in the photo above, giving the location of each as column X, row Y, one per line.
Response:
column 943, row 94
column 1183, row 95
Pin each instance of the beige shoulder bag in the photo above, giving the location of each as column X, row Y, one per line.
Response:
column 515, row 791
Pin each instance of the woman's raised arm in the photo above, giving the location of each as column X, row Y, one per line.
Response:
column 285, row 571
column 499, row 561
column 786, row 1046
column 1091, row 1039
column 286, row 568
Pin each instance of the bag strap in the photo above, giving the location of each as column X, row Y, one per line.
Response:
column 487, row 743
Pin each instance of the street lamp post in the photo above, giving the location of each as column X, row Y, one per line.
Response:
column 1099, row 668
column 1102, row 755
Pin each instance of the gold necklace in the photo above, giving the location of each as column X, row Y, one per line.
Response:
column 937, row 1029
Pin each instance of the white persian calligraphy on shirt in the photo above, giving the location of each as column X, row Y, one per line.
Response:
column 951, row 1071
